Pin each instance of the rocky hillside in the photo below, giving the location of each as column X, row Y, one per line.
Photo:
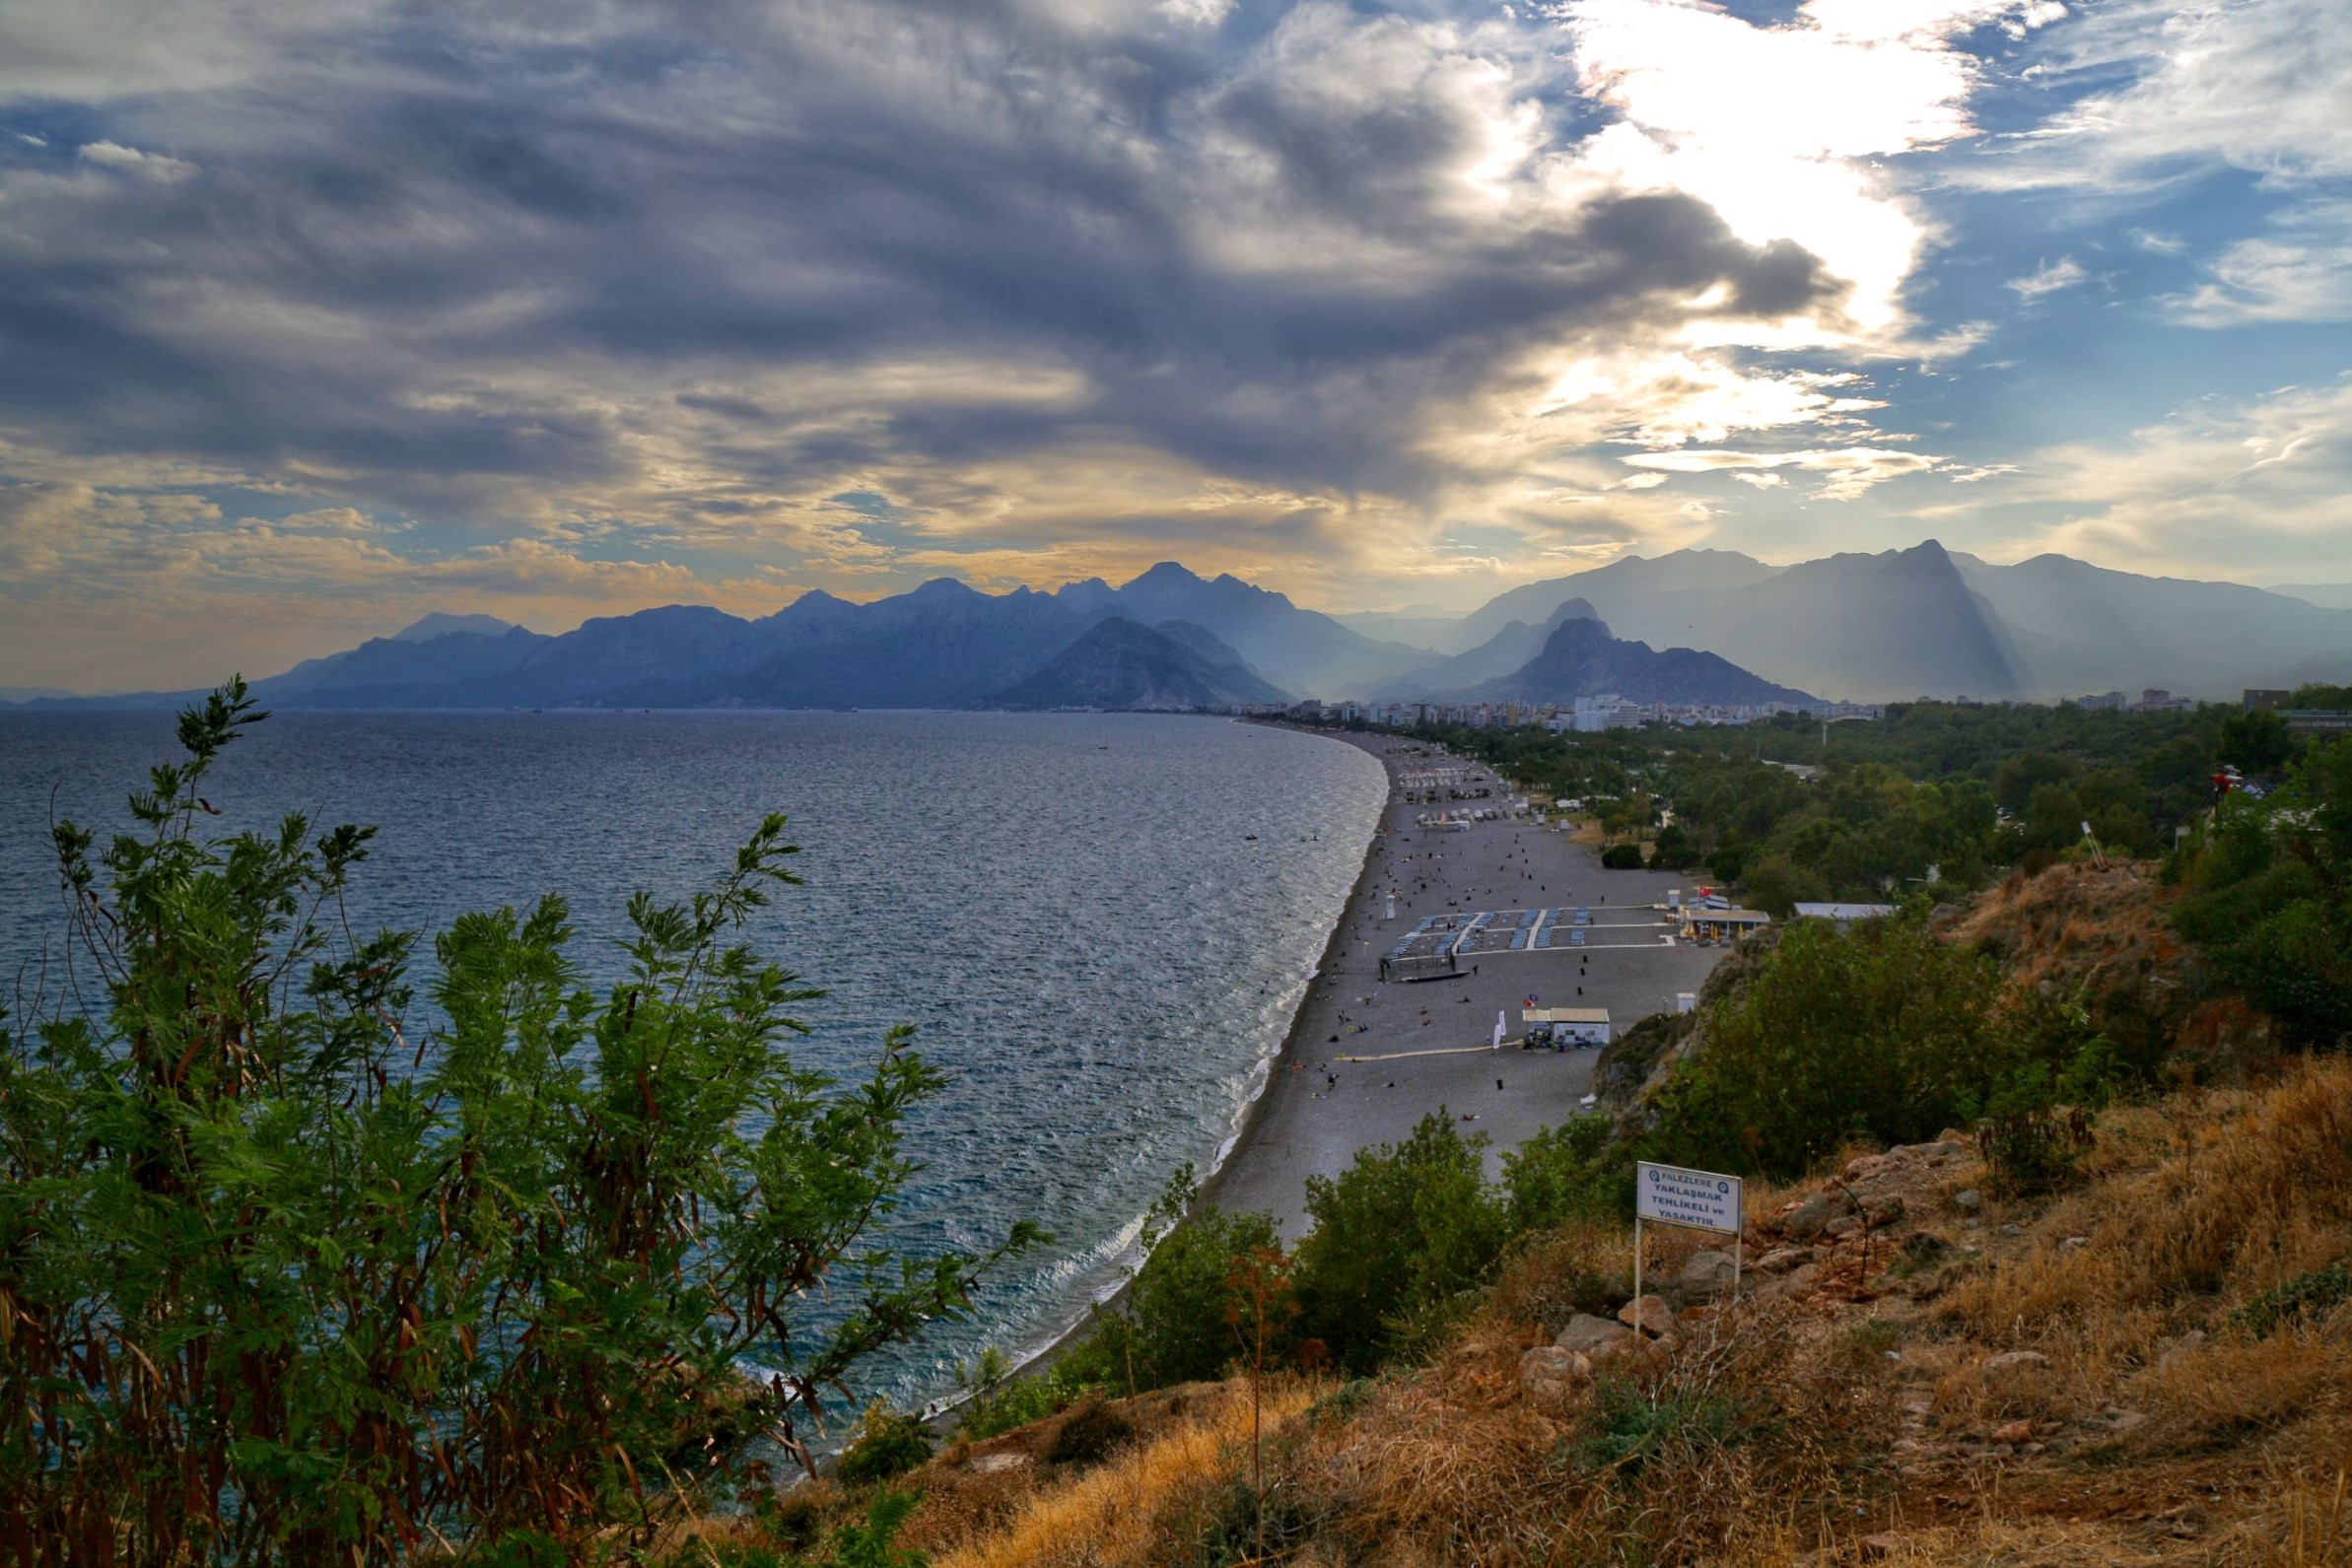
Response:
column 2152, row 1368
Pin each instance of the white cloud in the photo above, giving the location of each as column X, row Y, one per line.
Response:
column 1846, row 472
column 2049, row 278
column 2219, row 488
column 1776, row 126
column 1196, row 13
column 2299, row 271
column 129, row 160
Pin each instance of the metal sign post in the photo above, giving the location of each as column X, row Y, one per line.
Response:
column 1709, row 1200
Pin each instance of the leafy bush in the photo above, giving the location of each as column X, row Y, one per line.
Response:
column 873, row 1543
column 1621, row 857
column 1171, row 1324
column 1088, row 1434
column 1576, row 1170
column 284, row 1285
column 999, row 1401
column 1405, row 1229
column 1237, row 1527
column 1627, row 1426
column 2270, row 898
column 889, row 1443
column 1881, row 1031
column 2306, row 1294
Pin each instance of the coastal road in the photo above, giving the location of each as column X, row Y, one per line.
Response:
column 1308, row 1124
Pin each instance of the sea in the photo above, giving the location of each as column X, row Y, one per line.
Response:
column 1098, row 923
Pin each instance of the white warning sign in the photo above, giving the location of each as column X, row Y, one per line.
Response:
column 1668, row 1195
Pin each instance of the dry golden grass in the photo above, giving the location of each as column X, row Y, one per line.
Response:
column 2153, row 1433
column 2311, row 1527
column 2254, row 1196
column 1120, row 1512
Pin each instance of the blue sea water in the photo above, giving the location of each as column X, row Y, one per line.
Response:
column 1100, row 924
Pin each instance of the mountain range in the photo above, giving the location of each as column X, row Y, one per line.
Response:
column 1927, row 621
column 1697, row 626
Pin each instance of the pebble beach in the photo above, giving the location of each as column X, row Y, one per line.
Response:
column 1365, row 1059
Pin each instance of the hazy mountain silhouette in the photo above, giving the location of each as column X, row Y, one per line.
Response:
column 1925, row 622
column 1122, row 663
column 1901, row 623
column 440, row 624
column 1507, row 651
column 1581, row 659
column 1303, row 651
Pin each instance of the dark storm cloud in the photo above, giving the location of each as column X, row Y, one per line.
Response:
column 441, row 253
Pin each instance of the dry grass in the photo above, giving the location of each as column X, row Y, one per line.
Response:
column 1122, row 1512
column 1844, row 1422
column 2258, row 1191
column 1731, row 1448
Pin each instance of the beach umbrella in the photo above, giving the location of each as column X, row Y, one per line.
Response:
column 1497, row 1029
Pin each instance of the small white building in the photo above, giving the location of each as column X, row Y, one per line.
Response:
column 1575, row 1026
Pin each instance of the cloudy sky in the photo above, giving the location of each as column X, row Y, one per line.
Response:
column 316, row 316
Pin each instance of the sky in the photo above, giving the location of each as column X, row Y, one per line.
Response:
column 315, row 318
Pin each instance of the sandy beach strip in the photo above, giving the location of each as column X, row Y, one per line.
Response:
column 1426, row 1045
column 1431, row 1038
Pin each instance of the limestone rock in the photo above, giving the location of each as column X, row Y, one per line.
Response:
column 1968, row 1201
column 1587, row 1332
column 2019, row 1431
column 1548, row 1373
column 2015, row 1362
column 1806, row 1220
column 995, row 1464
column 1781, row 1259
column 1707, row 1275
column 1650, row 1314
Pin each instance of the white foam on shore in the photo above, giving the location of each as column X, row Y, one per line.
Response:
column 1124, row 1248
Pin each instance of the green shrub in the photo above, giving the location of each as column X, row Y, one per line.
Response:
column 2304, row 1295
column 889, row 1443
column 1405, row 1229
column 1621, row 857
column 999, row 1401
column 1576, row 1170
column 1235, row 1528
column 1170, row 1325
column 1627, row 1426
column 289, row 1263
column 1088, row 1434
column 1881, row 1031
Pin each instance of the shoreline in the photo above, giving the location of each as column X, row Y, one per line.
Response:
column 1255, row 1109
column 1301, row 1123
column 1236, row 1147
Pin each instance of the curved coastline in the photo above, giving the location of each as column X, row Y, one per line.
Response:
column 1363, row 1062
column 1251, row 1124
column 1247, row 1136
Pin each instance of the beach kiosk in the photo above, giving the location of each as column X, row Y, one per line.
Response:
column 1420, row 966
column 1702, row 924
column 1561, row 1027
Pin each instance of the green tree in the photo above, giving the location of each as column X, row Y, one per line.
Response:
column 1397, row 1237
column 1880, row 1031
column 1170, row 1324
column 280, row 1284
column 1575, row 1170
column 2258, row 742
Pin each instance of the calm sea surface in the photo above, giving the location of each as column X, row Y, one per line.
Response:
column 1072, row 909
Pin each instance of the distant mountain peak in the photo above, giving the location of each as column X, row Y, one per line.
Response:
column 1165, row 573
column 1572, row 610
column 945, row 588
column 442, row 624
